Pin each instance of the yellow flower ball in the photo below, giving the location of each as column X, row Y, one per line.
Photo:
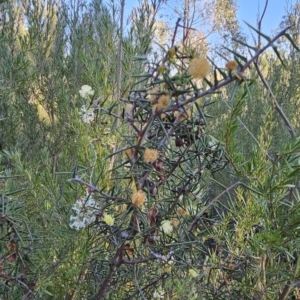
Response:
column 138, row 198
column 109, row 219
column 150, row 155
column 231, row 65
column 166, row 226
column 199, row 68
column 193, row 273
column 163, row 101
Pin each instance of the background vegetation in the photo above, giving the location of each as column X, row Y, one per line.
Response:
column 124, row 177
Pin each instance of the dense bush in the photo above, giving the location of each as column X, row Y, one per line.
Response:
column 132, row 171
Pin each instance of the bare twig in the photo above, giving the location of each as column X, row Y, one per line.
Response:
column 95, row 189
column 175, row 32
column 260, row 20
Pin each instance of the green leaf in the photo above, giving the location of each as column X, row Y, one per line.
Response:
column 168, row 80
column 181, row 92
column 289, row 186
column 48, row 293
column 259, row 32
column 216, row 77
column 218, row 69
column 291, row 40
column 146, row 75
column 246, row 45
column 208, row 82
column 140, row 57
column 243, row 58
column 278, row 55
column 138, row 91
column 15, row 192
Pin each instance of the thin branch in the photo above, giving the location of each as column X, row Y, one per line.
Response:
column 137, row 283
column 260, row 21
column 175, row 32
column 199, row 215
column 151, row 284
column 106, row 283
column 120, row 60
column 95, row 189
column 285, row 291
column 277, row 106
column 11, row 278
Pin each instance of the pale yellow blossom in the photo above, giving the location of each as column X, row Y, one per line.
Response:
column 138, row 198
column 231, row 65
column 150, row 155
column 199, row 68
column 163, row 101
column 193, row 273
column 109, row 219
column 166, row 226
column 86, row 91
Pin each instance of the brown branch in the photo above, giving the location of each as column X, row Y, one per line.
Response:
column 11, row 278
column 141, row 137
column 119, row 260
column 175, row 32
column 106, row 283
column 95, row 189
column 285, row 291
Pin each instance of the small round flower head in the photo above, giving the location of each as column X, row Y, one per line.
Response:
column 166, row 226
column 199, row 68
column 138, row 198
column 193, row 273
column 87, row 115
column 152, row 94
column 175, row 222
column 109, row 219
column 172, row 52
column 161, row 69
column 163, row 101
column 84, row 212
column 150, row 155
column 184, row 116
column 231, row 65
column 86, row 91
